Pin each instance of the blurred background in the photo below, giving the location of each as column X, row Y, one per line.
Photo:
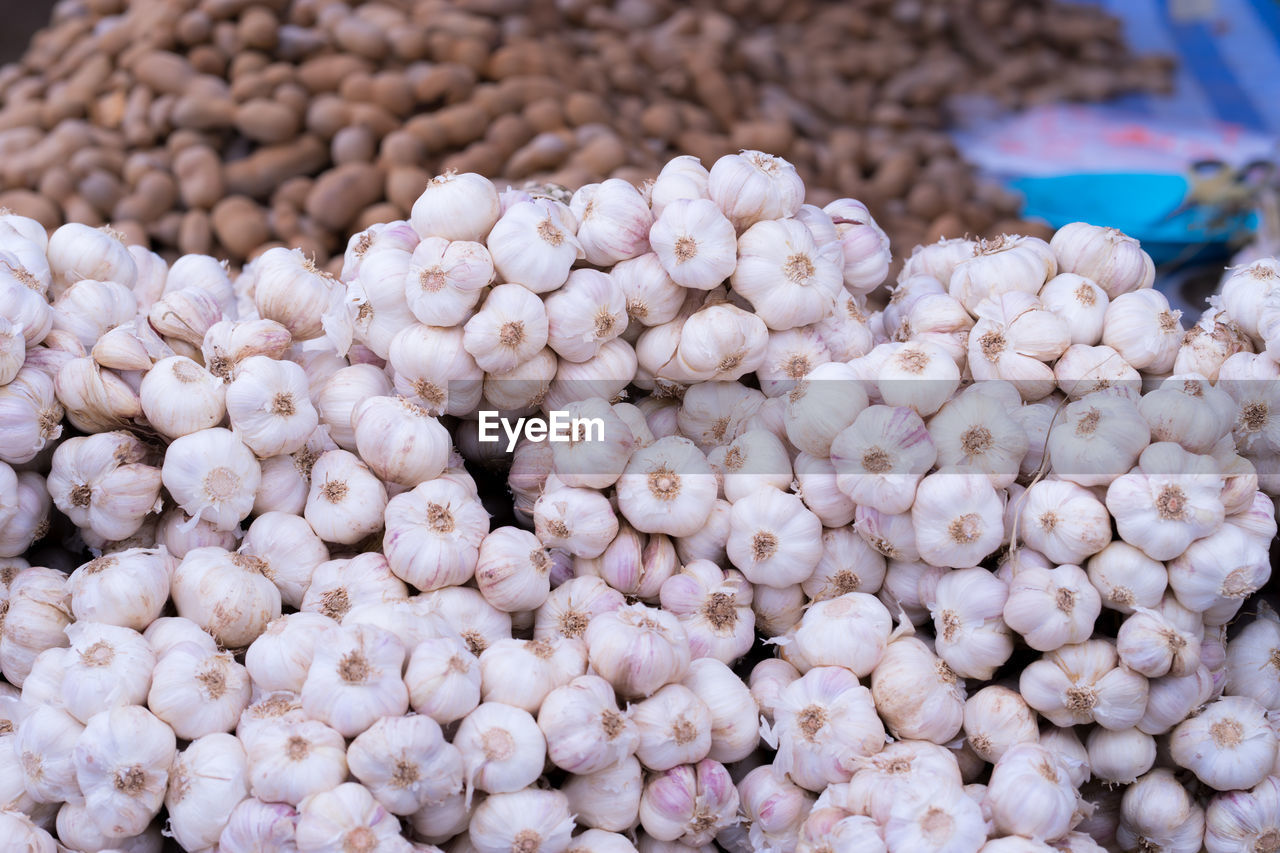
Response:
column 229, row 126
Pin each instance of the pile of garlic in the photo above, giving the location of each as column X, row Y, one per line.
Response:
column 956, row 571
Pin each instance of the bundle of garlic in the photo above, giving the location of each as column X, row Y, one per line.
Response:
column 788, row 562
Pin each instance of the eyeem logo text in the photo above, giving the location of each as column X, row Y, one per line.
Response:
column 559, row 426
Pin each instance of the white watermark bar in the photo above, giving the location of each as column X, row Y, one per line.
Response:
column 558, row 426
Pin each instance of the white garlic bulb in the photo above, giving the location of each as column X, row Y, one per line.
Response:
column 212, row 474
column 1157, row 811
column 197, row 691
column 1229, row 745
column 714, row 607
column 226, row 594
column 122, row 762
column 1240, row 820
column 689, row 803
column 752, row 186
column 637, row 649
column 773, row 538
column 967, row 607
column 107, row 666
column 345, row 818
column 1112, row 259
column 917, row 695
column 127, row 588
column 823, row 721
column 1030, row 793
column 533, row 243
column 531, row 818
column 355, row 678
column 207, row 781
column 180, row 397
column 850, row 630
column 1063, row 520
column 289, row 760
column 1052, row 607
column 405, row 763
column 995, row 719
column 584, row 730
column 1120, row 756
column 102, row 482
column 433, row 534
column 695, row 244
column 1084, row 683
column 503, row 749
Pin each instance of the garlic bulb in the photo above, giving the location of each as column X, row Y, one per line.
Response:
column 1120, row 756
column 667, row 487
column 1243, row 820
column 916, row 693
column 36, row 616
column 502, row 748
column 31, row 414
column 44, row 746
column 197, row 691
column 345, row 818
column 787, row 277
column 346, row 501
column 102, row 482
column 212, row 474
column 735, row 719
column 433, row 534
column 289, row 760
column 533, row 243
column 1216, row 573
column 256, row 825
column 714, row 608
column 456, row 207
column 355, row 678
column 673, row 727
column 880, row 458
column 1063, row 520
column 1081, row 304
column 689, row 803
column 1005, row 264
column 995, row 719
column 1084, row 683
column 122, row 762
column 180, row 397
column 1229, row 745
column 1125, row 577
column 1083, row 370
column 585, row 314
column 289, row 549
column 773, row 538
column 207, row 781
column 1165, row 642
column 226, row 594
column 1051, row 608
column 1157, row 811
column 108, row 666
column 1253, row 658
column 823, row 721
column 522, row 672
column 637, row 649
column 613, row 221
column 509, row 329
column 753, row 186
column 1030, row 793
column 949, row 821
column 1169, row 500
column 584, row 730
column 127, row 588
column 405, row 763
column 443, row 678
column 850, row 630
column 774, row 806
column 281, row 655
column 966, row 607
column 958, row 517
column 695, row 244
column 1104, row 255
column 532, row 819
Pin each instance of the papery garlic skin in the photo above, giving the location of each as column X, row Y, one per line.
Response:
column 226, row 594
column 269, row 406
column 1120, row 756
column 108, row 666
column 995, row 719
column 433, row 533
column 1030, row 793
column 198, row 692
column 503, row 749
column 127, row 588
column 916, row 693
column 1253, row 661
column 180, row 397
column 1052, row 607
column 637, row 649
column 823, row 722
